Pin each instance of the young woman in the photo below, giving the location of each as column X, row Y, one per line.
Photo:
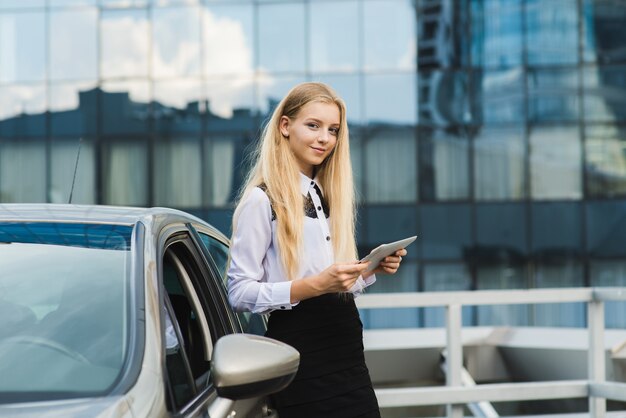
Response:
column 293, row 254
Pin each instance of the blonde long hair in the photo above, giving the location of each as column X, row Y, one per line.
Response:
column 275, row 166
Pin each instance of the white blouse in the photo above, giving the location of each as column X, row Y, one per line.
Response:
column 256, row 279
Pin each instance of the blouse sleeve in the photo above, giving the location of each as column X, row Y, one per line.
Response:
column 251, row 239
column 359, row 286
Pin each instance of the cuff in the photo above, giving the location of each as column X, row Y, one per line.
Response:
column 281, row 296
column 369, row 281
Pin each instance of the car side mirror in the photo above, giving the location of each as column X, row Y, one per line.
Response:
column 247, row 366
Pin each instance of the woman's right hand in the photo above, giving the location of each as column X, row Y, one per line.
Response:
column 340, row 277
column 335, row 279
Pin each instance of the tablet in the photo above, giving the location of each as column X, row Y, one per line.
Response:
column 379, row 253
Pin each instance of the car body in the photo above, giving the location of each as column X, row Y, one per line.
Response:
column 123, row 312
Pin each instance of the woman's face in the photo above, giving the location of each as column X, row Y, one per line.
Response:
column 312, row 134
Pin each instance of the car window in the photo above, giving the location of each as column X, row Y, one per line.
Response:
column 64, row 307
column 191, row 317
column 250, row 323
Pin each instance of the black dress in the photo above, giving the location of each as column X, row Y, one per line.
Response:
column 332, row 380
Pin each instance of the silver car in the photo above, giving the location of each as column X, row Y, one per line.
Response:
column 122, row 312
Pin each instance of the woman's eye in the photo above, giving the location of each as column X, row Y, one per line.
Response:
column 334, row 131
column 312, row 125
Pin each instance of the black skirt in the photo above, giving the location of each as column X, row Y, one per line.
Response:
column 332, row 380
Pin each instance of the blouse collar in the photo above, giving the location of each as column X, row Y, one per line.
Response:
column 306, row 183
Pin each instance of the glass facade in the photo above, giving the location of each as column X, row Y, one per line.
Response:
column 495, row 130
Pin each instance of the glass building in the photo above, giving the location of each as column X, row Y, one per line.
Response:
column 495, row 130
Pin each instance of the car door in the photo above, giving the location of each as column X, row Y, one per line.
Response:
column 195, row 315
column 216, row 252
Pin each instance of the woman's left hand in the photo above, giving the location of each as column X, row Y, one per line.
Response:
column 390, row 264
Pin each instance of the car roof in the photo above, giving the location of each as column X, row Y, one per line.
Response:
column 118, row 215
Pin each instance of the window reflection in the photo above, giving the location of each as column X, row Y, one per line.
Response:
column 444, row 163
column 73, row 33
column 123, row 3
column 177, row 172
column 496, row 33
column 348, row 88
column 605, row 93
column 442, row 29
column 389, row 33
column 21, row 4
column 401, row 222
column 178, row 105
column 605, row 165
column 125, row 107
column 552, row 31
column 73, row 108
column 499, row 155
column 610, row 273
column 124, row 171
column 357, row 159
column 270, row 90
column 390, row 161
column 443, row 98
column 555, row 162
column 501, row 232
column 553, row 95
column 62, row 3
column 446, row 277
column 232, row 98
column 125, row 43
column 445, row 231
column 391, row 98
column 606, row 228
column 22, row 108
column 22, row 171
column 228, row 39
column 281, row 37
column 176, row 42
column 555, row 274
column 556, row 230
column 604, row 31
column 499, row 96
column 22, row 47
column 223, row 156
column 334, row 42
column 502, row 276
column 62, row 162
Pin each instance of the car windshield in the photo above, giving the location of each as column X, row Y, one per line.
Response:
column 64, row 309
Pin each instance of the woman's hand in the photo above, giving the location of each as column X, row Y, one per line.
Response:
column 340, row 277
column 389, row 265
column 335, row 279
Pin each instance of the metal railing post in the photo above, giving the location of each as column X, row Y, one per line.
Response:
column 595, row 357
column 454, row 355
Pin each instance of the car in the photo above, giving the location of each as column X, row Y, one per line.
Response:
column 123, row 312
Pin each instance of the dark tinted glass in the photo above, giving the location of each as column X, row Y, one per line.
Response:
column 605, row 160
column 221, row 219
column 606, row 228
column 22, row 108
column 501, row 231
column 604, row 93
column 604, row 30
column 445, row 231
column 179, row 106
column 73, row 108
column 496, row 33
column 498, row 96
column 442, row 33
column 444, row 163
column 125, row 107
column 552, row 31
column 556, row 230
column 443, row 98
column 386, row 224
column 553, row 95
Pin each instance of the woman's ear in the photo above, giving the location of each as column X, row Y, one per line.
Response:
column 283, row 125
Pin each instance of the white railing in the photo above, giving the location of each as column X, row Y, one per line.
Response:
column 454, row 395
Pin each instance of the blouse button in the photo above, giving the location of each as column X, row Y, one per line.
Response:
column 282, row 307
column 319, row 208
column 327, row 238
column 312, row 183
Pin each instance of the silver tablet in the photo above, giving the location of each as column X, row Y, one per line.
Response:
column 379, row 253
